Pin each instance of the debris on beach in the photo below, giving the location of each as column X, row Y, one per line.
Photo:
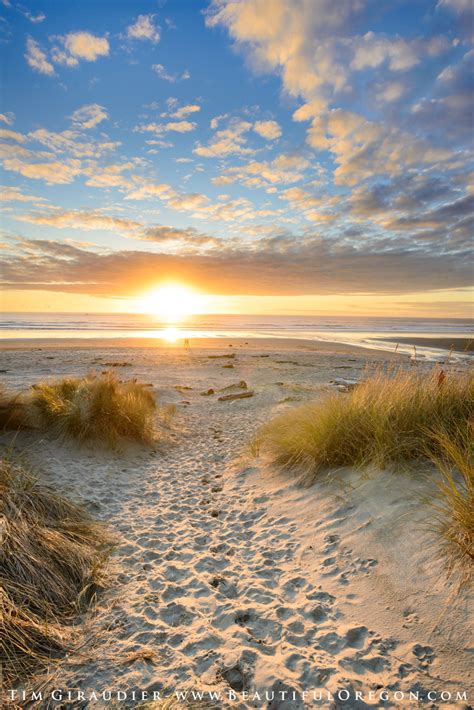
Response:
column 242, row 385
column 208, row 392
column 344, row 385
column 218, row 357
column 116, row 364
column 228, row 367
column 239, row 395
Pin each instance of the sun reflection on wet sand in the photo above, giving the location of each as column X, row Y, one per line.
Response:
column 171, row 335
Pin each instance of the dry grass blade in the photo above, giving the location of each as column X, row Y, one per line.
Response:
column 454, row 504
column 101, row 408
column 50, row 566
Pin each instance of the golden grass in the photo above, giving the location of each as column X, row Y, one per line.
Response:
column 388, row 419
column 51, row 568
column 102, row 408
column 454, row 503
column 13, row 411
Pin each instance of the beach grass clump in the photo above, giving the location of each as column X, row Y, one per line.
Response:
column 51, row 568
column 101, row 408
column 390, row 418
column 454, row 503
column 13, row 411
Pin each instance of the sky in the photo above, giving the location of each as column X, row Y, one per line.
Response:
column 276, row 156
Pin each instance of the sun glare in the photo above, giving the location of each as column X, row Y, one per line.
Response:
column 172, row 303
column 171, row 335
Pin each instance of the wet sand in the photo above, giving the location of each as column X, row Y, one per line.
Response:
column 456, row 344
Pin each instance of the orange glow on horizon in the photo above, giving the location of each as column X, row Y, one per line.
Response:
column 456, row 303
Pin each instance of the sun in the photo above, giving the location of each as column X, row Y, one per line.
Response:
column 172, row 302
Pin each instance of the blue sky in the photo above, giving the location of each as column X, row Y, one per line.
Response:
column 258, row 148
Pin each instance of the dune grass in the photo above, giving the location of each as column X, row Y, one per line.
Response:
column 454, row 503
column 51, row 567
column 101, row 408
column 390, row 418
column 13, row 411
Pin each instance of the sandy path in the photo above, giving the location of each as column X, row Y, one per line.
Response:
column 214, row 575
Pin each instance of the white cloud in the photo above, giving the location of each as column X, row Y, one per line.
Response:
column 37, row 59
column 81, row 219
column 267, row 129
column 53, row 173
column 7, row 118
column 460, row 6
column 13, row 150
column 389, row 92
column 172, row 78
column 159, row 128
column 149, row 191
column 371, row 51
column 35, row 19
column 73, row 143
column 283, row 169
column 14, row 194
column 183, row 111
column 12, row 135
column 312, row 45
column 363, row 148
column 109, row 176
column 144, row 28
column 310, row 110
column 180, row 126
column 79, row 45
column 199, row 205
column 227, row 141
column 305, row 203
column 89, row 115
column 299, row 40
column 59, row 56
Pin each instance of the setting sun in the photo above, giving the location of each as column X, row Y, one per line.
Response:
column 172, row 302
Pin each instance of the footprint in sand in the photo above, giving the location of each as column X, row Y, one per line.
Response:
column 424, row 654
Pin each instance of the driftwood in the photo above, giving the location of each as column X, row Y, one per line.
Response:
column 240, row 395
column 218, row 357
column 242, row 385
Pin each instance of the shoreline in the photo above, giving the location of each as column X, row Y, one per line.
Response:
column 458, row 345
column 323, row 346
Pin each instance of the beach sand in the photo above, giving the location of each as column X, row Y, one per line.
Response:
column 227, row 574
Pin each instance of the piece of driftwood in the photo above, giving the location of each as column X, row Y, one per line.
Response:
column 239, row 395
column 242, row 385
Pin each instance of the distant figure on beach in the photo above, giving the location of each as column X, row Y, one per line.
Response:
column 186, row 343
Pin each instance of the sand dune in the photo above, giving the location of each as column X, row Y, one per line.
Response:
column 230, row 579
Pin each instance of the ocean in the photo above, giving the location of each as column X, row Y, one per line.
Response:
column 378, row 332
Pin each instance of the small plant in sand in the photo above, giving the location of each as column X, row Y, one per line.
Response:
column 95, row 407
column 388, row 419
column 454, row 504
column 51, row 568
